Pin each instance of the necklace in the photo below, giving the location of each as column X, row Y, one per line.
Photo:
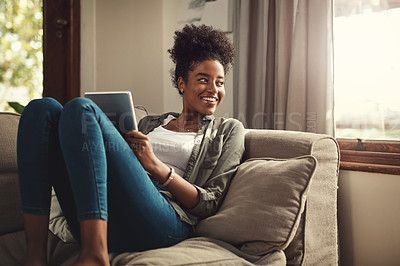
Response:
column 175, row 125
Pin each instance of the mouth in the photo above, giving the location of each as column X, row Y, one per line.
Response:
column 209, row 99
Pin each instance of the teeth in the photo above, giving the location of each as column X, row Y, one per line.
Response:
column 209, row 99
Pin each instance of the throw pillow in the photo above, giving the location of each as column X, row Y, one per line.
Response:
column 263, row 206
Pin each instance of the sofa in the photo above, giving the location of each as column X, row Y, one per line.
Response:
column 280, row 209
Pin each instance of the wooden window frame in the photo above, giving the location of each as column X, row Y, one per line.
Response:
column 61, row 49
column 376, row 156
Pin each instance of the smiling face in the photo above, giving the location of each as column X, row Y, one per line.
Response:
column 204, row 90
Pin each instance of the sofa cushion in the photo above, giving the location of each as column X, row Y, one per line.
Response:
column 263, row 206
column 140, row 112
column 10, row 204
column 13, row 246
column 316, row 240
column 194, row 251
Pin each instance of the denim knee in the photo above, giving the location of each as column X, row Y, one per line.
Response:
column 78, row 103
column 43, row 106
column 74, row 111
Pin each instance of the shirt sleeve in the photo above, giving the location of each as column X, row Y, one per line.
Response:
column 214, row 190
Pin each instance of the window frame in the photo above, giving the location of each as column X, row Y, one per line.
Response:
column 368, row 155
column 375, row 156
column 61, row 49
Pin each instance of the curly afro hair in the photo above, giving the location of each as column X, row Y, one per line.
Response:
column 194, row 44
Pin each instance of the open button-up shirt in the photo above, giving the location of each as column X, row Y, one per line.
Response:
column 216, row 155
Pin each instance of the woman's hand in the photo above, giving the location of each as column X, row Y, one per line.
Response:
column 183, row 191
column 141, row 146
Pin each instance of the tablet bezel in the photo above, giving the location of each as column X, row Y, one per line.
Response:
column 116, row 104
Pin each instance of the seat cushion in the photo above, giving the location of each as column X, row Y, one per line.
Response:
column 195, row 251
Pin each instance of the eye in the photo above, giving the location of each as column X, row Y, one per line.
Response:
column 220, row 83
column 203, row 80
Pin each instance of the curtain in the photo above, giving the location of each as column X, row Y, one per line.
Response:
column 283, row 75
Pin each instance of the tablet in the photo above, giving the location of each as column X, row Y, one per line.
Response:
column 118, row 106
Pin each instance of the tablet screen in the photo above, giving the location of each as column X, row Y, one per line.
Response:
column 118, row 106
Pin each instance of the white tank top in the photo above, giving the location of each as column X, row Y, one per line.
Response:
column 172, row 148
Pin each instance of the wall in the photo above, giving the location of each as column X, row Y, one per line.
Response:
column 369, row 215
column 172, row 100
column 124, row 47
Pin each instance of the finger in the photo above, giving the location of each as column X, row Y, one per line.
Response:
column 134, row 146
column 130, row 133
column 136, row 134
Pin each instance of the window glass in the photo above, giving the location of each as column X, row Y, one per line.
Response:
column 21, row 56
column 367, row 69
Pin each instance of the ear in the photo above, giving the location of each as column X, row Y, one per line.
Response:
column 181, row 84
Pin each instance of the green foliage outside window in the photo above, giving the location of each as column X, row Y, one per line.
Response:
column 21, row 56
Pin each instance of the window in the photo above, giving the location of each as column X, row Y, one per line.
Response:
column 21, row 57
column 367, row 84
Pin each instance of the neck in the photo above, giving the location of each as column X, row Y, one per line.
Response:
column 188, row 119
column 186, row 122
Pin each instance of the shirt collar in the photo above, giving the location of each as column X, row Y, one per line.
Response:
column 208, row 118
column 164, row 116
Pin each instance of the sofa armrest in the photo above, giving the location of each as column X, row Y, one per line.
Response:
column 10, row 203
column 316, row 240
column 287, row 144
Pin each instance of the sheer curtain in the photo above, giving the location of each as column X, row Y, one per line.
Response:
column 283, row 76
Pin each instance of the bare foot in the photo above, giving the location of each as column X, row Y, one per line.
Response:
column 36, row 231
column 93, row 243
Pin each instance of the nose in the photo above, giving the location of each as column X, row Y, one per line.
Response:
column 213, row 87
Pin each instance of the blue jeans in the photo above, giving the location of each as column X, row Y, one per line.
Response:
column 77, row 150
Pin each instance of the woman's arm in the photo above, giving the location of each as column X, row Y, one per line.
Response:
column 182, row 190
column 227, row 157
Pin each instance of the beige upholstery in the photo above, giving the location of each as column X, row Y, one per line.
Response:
column 11, row 219
column 317, row 235
column 315, row 242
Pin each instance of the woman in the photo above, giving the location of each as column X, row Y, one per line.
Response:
column 144, row 190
